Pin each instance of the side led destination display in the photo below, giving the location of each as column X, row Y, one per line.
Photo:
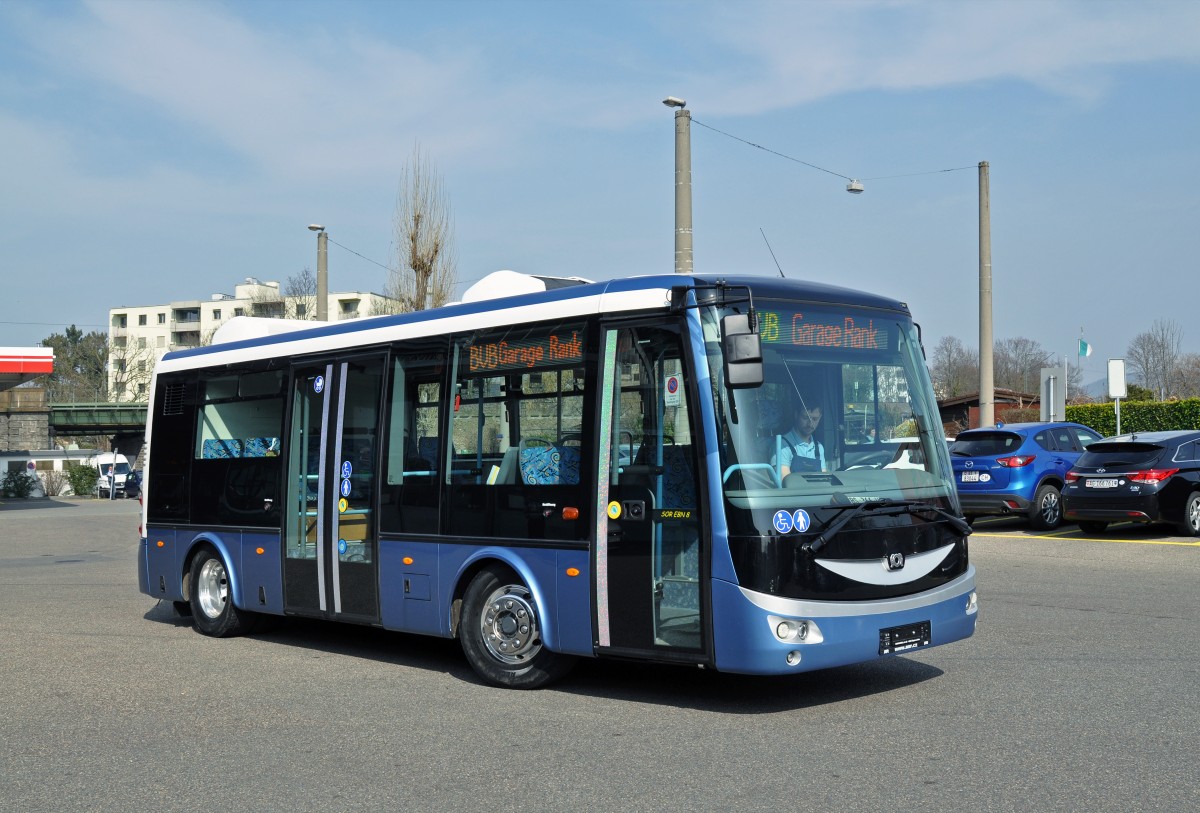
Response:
column 527, row 352
column 809, row 328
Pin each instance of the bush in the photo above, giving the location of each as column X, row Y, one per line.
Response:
column 1137, row 416
column 18, row 484
column 54, row 482
column 82, row 478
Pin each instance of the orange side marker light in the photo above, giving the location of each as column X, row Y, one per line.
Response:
column 572, row 572
column 570, row 512
column 408, row 560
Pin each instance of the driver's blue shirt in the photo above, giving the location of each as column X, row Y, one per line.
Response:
column 791, row 446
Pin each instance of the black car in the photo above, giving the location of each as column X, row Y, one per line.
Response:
column 1144, row 477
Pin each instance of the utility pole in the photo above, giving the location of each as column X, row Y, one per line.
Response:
column 322, row 272
column 987, row 394
column 683, row 185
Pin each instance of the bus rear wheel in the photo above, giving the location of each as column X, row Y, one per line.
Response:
column 213, row 612
column 501, row 635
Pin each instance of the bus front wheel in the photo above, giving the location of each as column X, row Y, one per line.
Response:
column 501, row 636
column 213, row 612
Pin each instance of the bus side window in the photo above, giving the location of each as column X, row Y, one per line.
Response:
column 521, row 452
column 409, row 497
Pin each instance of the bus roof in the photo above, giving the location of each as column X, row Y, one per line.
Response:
column 575, row 300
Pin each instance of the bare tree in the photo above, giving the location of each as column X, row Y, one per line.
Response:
column 1017, row 364
column 132, row 367
column 954, row 368
column 1188, row 377
column 426, row 267
column 300, row 295
column 1153, row 356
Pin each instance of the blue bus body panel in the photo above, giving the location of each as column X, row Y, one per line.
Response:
column 160, row 566
column 744, row 624
column 417, row 597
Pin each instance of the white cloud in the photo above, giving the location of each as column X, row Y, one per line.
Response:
column 295, row 102
column 792, row 53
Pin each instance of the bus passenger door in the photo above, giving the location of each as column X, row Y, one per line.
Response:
column 332, row 536
column 651, row 559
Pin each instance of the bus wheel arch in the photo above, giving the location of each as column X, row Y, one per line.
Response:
column 210, row 595
column 499, row 629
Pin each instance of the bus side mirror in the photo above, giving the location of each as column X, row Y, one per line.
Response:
column 743, row 352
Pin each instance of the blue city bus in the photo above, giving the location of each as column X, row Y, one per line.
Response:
column 554, row 469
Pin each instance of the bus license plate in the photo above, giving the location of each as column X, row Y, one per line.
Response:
column 970, row 477
column 1101, row 483
column 902, row 639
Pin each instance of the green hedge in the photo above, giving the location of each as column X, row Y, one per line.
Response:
column 1138, row 416
column 82, row 478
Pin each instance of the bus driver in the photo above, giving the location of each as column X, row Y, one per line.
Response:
column 798, row 449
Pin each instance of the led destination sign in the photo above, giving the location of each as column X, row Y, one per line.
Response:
column 525, row 354
column 810, row 329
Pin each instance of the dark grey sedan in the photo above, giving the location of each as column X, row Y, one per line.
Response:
column 1142, row 477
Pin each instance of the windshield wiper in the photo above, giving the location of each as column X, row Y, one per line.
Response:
column 888, row 508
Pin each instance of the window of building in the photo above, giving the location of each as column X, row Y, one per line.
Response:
column 160, row 341
column 217, row 314
column 141, row 320
column 162, row 318
column 239, row 311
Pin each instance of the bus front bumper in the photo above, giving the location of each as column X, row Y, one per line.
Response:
column 755, row 633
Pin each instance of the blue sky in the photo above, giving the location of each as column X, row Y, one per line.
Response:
column 158, row 151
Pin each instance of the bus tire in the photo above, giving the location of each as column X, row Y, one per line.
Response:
column 213, row 612
column 500, row 633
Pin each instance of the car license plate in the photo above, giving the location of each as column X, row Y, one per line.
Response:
column 970, row 477
column 1101, row 482
column 902, row 639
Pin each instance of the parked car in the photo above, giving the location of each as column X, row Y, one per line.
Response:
column 1017, row 468
column 1144, row 477
column 895, row 453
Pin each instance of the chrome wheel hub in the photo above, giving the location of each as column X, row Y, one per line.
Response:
column 212, row 588
column 509, row 625
column 1050, row 507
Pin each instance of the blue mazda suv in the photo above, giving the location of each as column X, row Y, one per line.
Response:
column 1017, row 468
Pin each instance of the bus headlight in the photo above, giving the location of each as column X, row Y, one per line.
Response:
column 791, row 630
column 795, row 630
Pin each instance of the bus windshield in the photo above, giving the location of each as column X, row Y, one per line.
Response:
column 845, row 415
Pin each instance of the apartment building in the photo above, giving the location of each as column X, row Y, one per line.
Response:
column 139, row 336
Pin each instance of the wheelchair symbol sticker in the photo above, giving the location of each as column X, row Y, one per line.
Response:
column 319, row 384
column 782, row 521
column 347, row 469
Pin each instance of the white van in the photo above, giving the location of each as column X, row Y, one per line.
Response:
column 109, row 464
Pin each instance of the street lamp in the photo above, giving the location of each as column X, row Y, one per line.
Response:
column 683, row 185
column 322, row 271
column 987, row 390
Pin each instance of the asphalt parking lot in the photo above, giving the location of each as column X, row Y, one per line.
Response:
column 1076, row 693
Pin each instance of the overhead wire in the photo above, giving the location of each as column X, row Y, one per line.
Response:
column 823, row 169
